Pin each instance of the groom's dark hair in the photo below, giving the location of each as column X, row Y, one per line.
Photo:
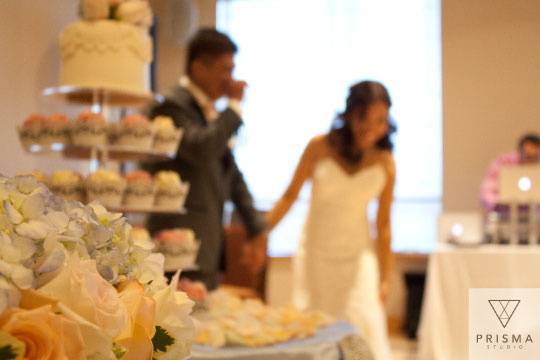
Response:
column 208, row 44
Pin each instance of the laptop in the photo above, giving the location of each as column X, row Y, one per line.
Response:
column 519, row 183
column 461, row 228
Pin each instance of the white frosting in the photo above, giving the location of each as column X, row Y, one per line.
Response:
column 105, row 53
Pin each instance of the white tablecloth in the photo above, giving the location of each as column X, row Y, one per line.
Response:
column 443, row 332
column 325, row 345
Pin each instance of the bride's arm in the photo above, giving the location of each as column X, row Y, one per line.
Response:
column 302, row 173
column 384, row 235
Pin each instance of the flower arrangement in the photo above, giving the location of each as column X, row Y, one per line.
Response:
column 75, row 285
column 136, row 12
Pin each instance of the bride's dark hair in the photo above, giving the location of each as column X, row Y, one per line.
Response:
column 361, row 96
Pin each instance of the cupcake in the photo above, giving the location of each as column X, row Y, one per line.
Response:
column 107, row 187
column 179, row 247
column 68, row 184
column 167, row 136
column 90, row 129
column 170, row 191
column 195, row 290
column 135, row 131
column 31, row 132
column 141, row 237
column 139, row 190
column 55, row 129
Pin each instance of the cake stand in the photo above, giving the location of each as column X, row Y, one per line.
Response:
column 101, row 96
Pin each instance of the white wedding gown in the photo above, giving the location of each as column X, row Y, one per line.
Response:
column 335, row 269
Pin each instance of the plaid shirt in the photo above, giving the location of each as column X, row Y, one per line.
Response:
column 489, row 191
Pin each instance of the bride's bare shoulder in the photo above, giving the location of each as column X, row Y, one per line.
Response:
column 318, row 145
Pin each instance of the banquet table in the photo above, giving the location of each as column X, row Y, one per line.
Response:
column 452, row 271
column 327, row 344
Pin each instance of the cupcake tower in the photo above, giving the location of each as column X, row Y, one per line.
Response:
column 92, row 130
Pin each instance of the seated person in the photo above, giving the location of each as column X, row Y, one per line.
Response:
column 528, row 152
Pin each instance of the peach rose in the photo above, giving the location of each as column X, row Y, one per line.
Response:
column 44, row 334
column 136, row 338
column 97, row 344
column 81, row 288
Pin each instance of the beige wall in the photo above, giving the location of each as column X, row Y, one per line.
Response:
column 491, row 87
column 29, row 62
column 171, row 42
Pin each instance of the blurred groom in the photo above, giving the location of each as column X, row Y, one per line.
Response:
column 204, row 158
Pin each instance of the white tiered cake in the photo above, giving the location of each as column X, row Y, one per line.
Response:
column 109, row 49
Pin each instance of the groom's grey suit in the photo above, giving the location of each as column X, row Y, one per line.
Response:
column 206, row 162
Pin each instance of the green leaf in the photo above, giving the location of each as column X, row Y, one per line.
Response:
column 10, row 347
column 118, row 351
column 7, row 353
column 162, row 340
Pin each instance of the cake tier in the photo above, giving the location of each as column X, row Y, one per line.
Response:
column 108, row 54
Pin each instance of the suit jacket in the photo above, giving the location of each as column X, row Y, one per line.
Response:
column 206, row 162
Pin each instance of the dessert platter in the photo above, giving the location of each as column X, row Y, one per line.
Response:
column 228, row 326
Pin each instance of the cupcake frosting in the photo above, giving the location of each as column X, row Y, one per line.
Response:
column 34, row 119
column 65, row 177
column 105, row 176
column 136, row 119
column 139, row 176
column 163, row 123
column 90, row 117
column 176, row 236
column 168, row 179
column 58, row 119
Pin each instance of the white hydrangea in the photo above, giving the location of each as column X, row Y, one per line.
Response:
column 38, row 230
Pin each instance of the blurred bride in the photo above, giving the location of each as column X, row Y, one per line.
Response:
column 336, row 268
